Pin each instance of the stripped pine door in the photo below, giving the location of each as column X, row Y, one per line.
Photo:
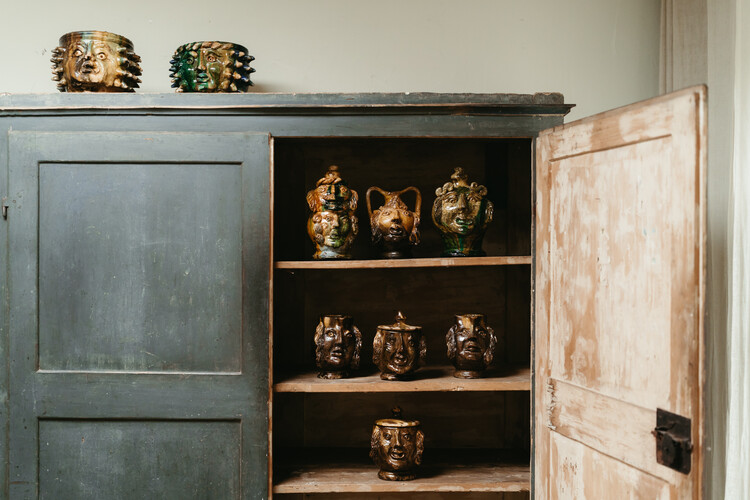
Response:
column 620, row 257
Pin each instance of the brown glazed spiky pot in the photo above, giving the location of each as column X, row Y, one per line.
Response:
column 95, row 61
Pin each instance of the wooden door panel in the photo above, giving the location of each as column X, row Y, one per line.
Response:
column 586, row 417
column 139, row 315
column 151, row 255
column 619, row 302
column 584, row 473
column 611, row 225
column 139, row 459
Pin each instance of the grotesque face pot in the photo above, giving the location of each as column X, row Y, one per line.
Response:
column 95, row 61
column 471, row 345
column 211, row 67
column 332, row 225
column 393, row 224
column 337, row 346
column 396, row 446
column 461, row 213
column 398, row 349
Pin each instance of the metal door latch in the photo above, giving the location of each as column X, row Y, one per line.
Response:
column 5, row 207
column 673, row 445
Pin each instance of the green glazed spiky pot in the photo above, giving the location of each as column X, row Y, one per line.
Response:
column 211, row 67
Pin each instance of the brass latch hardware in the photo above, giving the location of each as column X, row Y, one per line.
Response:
column 673, row 444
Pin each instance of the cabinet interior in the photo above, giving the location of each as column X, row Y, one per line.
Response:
column 478, row 428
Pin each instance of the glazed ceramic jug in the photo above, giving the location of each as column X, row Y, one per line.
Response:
column 393, row 225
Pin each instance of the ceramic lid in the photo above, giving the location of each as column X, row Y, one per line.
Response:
column 396, row 420
column 400, row 325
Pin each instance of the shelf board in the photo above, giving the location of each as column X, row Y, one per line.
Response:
column 401, row 263
column 451, row 475
column 429, row 379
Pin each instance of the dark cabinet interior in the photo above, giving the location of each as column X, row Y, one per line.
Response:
column 477, row 431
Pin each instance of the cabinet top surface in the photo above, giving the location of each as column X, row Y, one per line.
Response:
column 546, row 103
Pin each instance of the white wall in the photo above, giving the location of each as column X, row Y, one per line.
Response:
column 599, row 53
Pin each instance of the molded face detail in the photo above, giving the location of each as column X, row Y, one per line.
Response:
column 331, row 228
column 337, row 346
column 461, row 213
column 332, row 225
column 398, row 350
column 211, row 67
column 95, row 61
column 471, row 345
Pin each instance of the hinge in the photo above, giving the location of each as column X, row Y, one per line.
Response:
column 5, row 207
column 673, row 445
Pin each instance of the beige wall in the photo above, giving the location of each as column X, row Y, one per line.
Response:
column 599, row 53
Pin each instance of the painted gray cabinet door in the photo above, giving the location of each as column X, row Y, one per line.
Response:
column 138, row 325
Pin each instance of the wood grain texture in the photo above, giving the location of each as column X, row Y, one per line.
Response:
column 620, row 289
column 518, row 495
column 478, row 471
column 435, row 379
column 347, row 478
column 404, row 263
column 270, row 103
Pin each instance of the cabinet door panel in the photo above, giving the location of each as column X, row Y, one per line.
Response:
column 619, row 303
column 139, row 314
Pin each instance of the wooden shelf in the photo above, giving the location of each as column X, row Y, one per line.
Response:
column 429, row 379
column 402, row 263
column 460, row 474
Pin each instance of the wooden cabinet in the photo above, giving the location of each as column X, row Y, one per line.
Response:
column 161, row 298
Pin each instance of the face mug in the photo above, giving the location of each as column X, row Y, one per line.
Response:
column 471, row 345
column 338, row 344
column 396, row 447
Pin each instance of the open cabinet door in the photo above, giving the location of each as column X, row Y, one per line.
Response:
column 620, row 257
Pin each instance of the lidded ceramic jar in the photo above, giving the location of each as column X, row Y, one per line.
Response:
column 471, row 345
column 398, row 349
column 337, row 346
column 396, row 446
column 393, row 225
